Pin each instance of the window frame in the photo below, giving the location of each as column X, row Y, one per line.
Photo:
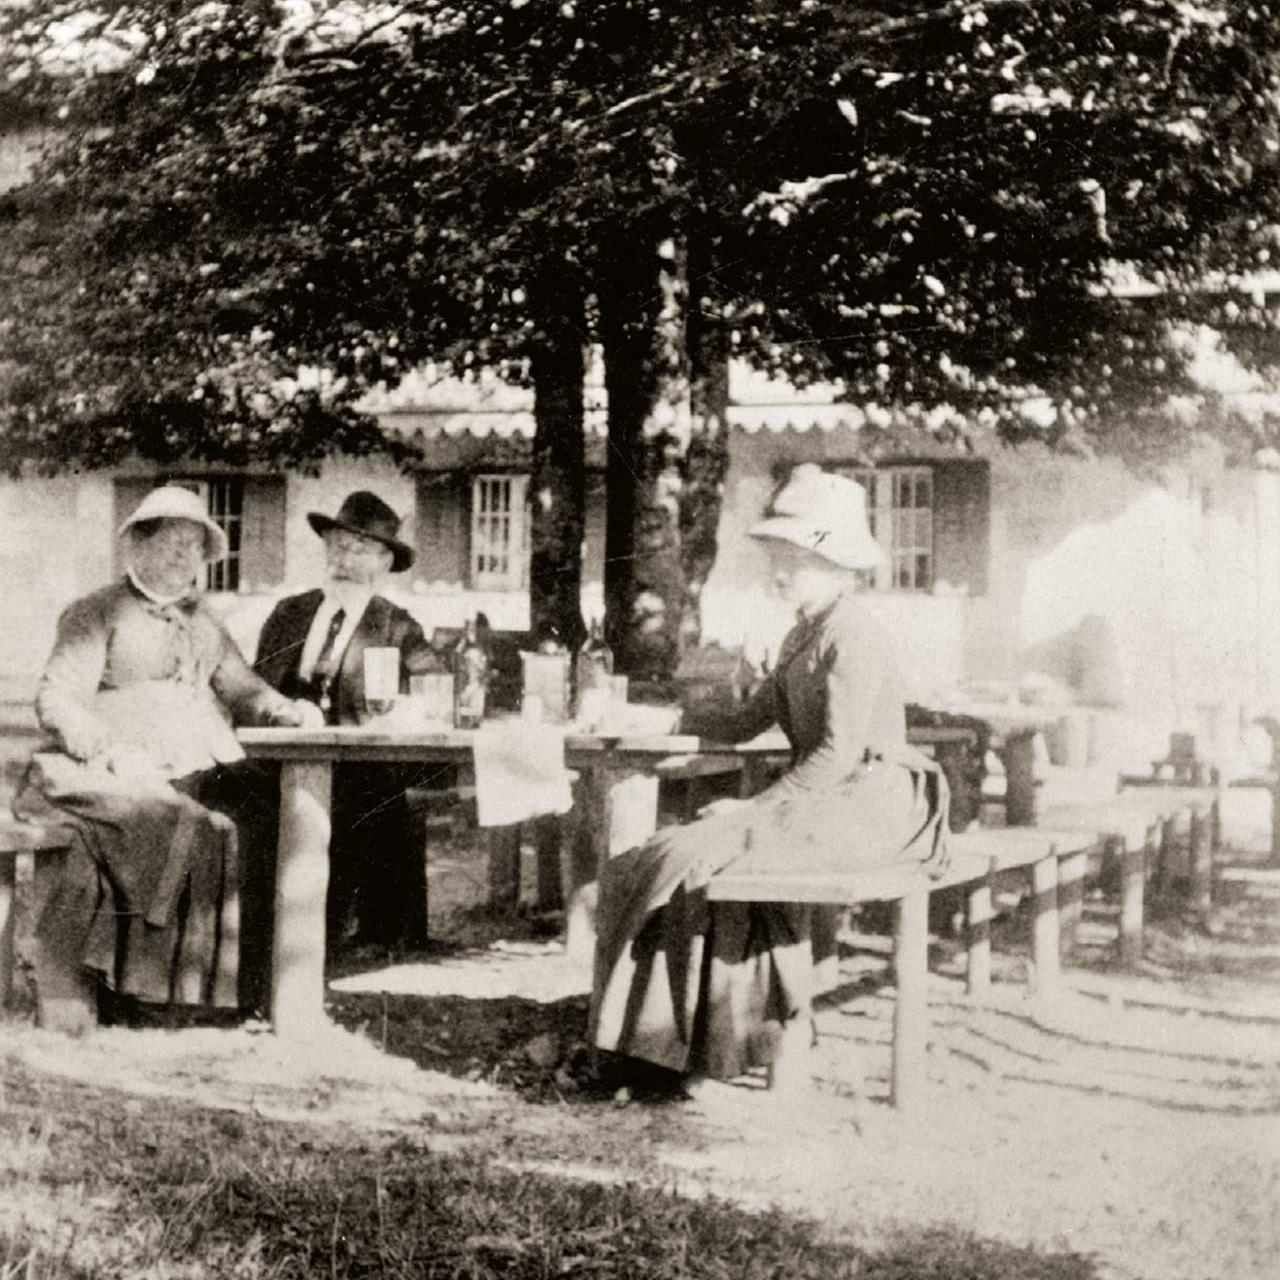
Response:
column 910, row 549
column 509, row 550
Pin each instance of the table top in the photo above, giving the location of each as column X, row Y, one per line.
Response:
column 442, row 743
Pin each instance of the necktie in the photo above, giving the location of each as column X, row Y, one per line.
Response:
column 325, row 669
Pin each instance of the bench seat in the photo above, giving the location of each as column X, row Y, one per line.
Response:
column 64, row 994
column 978, row 857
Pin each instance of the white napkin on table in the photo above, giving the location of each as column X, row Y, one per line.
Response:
column 520, row 772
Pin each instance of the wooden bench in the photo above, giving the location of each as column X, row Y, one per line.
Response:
column 1136, row 828
column 64, row 994
column 980, row 857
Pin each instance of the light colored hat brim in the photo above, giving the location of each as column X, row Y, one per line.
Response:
column 161, row 505
column 849, row 550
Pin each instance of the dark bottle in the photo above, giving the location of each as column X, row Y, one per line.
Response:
column 595, row 660
column 470, row 679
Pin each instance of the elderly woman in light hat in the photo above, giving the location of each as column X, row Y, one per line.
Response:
column 138, row 699
column 712, row 989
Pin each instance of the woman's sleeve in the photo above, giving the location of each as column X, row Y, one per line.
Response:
column 724, row 723
column 71, row 679
column 249, row 698
column 854, row 673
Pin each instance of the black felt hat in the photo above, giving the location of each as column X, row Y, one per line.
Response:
column 366, row 514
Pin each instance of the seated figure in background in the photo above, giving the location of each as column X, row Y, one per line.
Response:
column 312, row 646
column 711, row 989
column 138, row 699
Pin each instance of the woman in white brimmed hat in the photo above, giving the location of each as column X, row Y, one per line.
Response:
column 138, row 699
column 712, row 989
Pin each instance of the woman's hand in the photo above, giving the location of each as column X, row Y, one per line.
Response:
column 726, row 805
column 132, row 764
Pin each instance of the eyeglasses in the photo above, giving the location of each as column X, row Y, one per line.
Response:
column 353, row 544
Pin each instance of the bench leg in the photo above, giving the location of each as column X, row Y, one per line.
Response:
column 1132, row 890
column 1201, row 864
column 824, row 921
column 911, row 1010
column 1072, row 871
column 66, row 993
column 1045, row 942
column 978, row 968
column 1162, row 875
column 8, row 908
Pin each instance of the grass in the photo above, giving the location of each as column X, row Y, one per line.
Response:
column 98, row 1186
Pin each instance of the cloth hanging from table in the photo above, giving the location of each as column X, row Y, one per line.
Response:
column 520, row 772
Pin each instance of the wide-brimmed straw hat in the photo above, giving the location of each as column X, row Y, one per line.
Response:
column 823, row 513
column 173, row 502
column 365, row 513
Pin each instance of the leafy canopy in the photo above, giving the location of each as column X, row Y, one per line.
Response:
column 253, row 212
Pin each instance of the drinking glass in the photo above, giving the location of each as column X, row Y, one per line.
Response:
column 546, row 677
column 618, row 690
column 381, row 679
column 433, row 695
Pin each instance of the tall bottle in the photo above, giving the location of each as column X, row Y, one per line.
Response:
column 595, row 660
column 470, row 679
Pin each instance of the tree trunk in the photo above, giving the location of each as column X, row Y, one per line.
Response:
column 706, row 461
column 642, row 317
column 558, row 477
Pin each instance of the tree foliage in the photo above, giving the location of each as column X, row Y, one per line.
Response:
column 921, row 199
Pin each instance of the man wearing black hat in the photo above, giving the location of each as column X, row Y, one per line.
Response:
column 312, row 646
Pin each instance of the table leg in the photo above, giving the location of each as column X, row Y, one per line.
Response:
column 1020, row 782
column 548, row 837
column 615, row 809
column 302, row 882
column 504, row 867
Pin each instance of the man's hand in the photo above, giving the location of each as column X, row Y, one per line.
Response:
column 298, row 714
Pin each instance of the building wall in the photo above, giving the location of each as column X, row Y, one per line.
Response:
column 1155, row 599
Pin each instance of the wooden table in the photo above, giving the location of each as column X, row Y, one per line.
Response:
column 615, row 798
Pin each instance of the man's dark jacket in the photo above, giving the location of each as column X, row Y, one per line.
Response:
column 383, row 625
column 376, row 852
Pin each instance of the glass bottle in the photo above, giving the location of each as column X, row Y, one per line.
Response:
column 595, row 660
column 470, row 679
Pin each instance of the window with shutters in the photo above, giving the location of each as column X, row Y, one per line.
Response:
column 250, row 510
column 900, row 510
column 499, row 532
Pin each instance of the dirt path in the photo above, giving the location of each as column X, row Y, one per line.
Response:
column 1137, row 1119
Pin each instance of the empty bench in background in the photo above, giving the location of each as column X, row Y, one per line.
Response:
column 1137, row 829
column 979, row 858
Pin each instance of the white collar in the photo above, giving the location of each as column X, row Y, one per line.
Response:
column 155, row 598
column 353, row 597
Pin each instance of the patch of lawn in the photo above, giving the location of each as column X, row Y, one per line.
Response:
column 97, row 1186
